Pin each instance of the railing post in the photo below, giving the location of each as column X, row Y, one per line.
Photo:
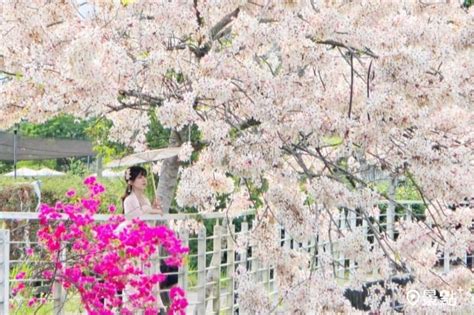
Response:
column 352, row 224
column 59, row 294
column 4, row 276
column 254, row 266
column 341, row 261
column 408, row 211
column 214, row 275
column 286, row 240
column 446, row 261
column 230, row 266
column 265, row 276
column 376, row 230
column 264, row 273
column 391, row 209
column 317, row 248
column 183, row 270
column 390, row 220
column 312, row 245
column 201, row 272
column 243, row 256
column 365, row 229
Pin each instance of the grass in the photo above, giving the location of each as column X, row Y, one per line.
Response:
column 71, row 307
column 193, row 278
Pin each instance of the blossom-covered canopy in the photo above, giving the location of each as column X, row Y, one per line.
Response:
column 295, row 98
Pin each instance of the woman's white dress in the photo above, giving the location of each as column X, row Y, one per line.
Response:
column 133, row 209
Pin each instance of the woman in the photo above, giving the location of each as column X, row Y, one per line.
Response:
column 136, row 204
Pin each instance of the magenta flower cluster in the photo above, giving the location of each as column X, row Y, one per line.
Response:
column 108, row 258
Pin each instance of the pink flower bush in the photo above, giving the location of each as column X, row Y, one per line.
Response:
column 106, row 260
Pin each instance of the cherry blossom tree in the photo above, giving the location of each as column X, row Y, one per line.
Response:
column 293, row 98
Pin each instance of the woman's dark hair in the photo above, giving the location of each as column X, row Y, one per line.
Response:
column 131, row 174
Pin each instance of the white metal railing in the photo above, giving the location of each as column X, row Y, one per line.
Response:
column 208, row 277
column 4, row 277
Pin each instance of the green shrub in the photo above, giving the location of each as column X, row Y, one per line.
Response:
column 53, row 189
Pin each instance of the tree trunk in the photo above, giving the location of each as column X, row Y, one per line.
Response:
column 169, row 173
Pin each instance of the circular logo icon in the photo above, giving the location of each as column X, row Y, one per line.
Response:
column 413, row 296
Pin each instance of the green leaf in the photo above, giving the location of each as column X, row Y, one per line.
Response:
column 332, row 140
column 143, row 55
column 126, row 2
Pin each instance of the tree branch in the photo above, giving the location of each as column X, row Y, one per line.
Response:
column 215, row 34
column 216, row 29
column 152, row 100
column 333, row 43
column 352, row 86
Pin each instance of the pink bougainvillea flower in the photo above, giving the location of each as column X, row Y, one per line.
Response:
column 18, row 288
column 111, row 255
column 71, row 193
column 91, row 180
column 32, row 302
column 48, row 274
column 20, row 275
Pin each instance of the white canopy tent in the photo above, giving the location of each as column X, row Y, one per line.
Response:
column 28, row 172
column 49, row 172
column 109, row 173
column 24, row 172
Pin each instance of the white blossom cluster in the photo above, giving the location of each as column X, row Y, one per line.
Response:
column 177, row 113
column 201, row 187
column 185, row 152
column 253, row 297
